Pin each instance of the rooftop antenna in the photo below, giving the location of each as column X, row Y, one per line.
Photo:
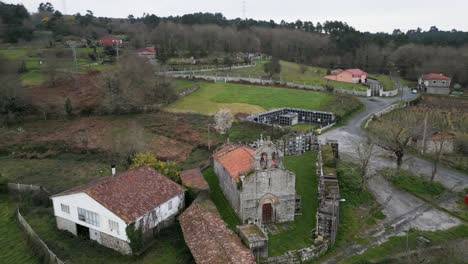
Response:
column 244, row 9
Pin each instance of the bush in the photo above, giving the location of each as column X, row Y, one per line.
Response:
column 135, row 235
column 328, row 157
column 169, row 169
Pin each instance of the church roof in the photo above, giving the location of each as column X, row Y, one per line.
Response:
column 235, row 159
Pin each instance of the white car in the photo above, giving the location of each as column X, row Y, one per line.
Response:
column 414, row 91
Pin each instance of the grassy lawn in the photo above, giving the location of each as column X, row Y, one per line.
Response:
column 360, row 210
column 395, row 245
column 225, row 210
column 413, row 184
column 290, row 72
column 299, row 233
column 252, row 99
column 168, row 247
column 13, row 245
column 55, row 174
column 385, row 80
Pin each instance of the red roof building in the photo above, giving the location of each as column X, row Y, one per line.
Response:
column 194, row 179
column 103, row 209
column 235, row 159
column 435, row 76
column 349, row 76
column 110, row 41
column 208, row 238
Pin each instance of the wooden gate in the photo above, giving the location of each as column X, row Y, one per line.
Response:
column 267, row 213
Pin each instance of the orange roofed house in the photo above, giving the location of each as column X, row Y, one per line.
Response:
column 349, row 76
column 255, row 183
column 434, row 83
column 104, row 209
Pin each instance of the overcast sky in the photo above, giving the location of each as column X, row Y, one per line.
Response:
column 365, row 15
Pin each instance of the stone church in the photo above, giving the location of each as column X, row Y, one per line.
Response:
column 255, row 182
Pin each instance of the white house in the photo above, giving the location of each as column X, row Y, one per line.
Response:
column 103, row 209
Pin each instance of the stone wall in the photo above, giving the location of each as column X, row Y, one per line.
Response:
column 269, row 83
column 65, row 224
column 116, row 244
column 300, row 255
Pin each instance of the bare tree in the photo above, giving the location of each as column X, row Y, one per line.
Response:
column 223, row 120
column 394, row 132
column 365, row 152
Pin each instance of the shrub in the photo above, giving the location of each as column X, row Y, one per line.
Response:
column 328, row 157
column 135, row 235
column 168, row 168
column 3, row 184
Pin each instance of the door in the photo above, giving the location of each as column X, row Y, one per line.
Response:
column 82, row 231
column 267, row 213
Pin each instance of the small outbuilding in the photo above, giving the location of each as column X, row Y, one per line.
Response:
column 255, row 239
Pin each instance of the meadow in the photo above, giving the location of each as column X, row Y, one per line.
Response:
column 290, row 72
column 252, row 99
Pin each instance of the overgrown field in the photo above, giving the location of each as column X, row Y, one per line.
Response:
column 452, row 110
column 290, row 72
column 241, row 98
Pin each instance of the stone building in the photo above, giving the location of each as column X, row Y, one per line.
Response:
column 255, row 183
column 434, row 83
column 103, row 209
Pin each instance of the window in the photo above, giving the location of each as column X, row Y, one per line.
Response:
column 169, row 205
column 88, row 217
column 114, row 226
column 65, row 208
column 269, row 181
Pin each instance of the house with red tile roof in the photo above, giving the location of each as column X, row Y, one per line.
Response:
column 255, row 182
column 349, row 76
column 110, row 41
column 208, row 238
column 104, row 209
column 434, row 83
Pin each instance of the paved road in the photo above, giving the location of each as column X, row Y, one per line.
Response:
column 402, row 210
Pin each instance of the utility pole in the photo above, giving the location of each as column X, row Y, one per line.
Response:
column 117, row 48
column 244, row 9
column 76, row 69
column 424, row 134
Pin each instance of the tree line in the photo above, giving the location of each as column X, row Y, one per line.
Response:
column 331, row 44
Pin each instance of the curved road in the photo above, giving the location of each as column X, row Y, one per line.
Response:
column 402, row 210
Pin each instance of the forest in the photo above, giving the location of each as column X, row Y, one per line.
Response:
column 331, row 44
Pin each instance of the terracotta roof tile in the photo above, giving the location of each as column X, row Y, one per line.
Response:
column 194, row 179
column 235, row 159
column 435, row 76
column 130, row 194
column 357, row 71
column 208, row 238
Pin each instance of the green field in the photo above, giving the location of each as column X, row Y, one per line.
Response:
column 298, row 234
column 385, row 81
column 290, row 72
column 13, row 245
column 252, row 99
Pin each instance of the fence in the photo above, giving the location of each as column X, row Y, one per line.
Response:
column 207, row 69
column 269, row 82
column 39, row 246
column 18, row 187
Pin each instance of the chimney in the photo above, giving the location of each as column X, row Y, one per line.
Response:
column 113, row 169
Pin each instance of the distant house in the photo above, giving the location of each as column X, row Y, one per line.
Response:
column 104, row 209
column 434, row 83
column 349, row 76
column 439, row 141
column 110, row 41
column 147, row 53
